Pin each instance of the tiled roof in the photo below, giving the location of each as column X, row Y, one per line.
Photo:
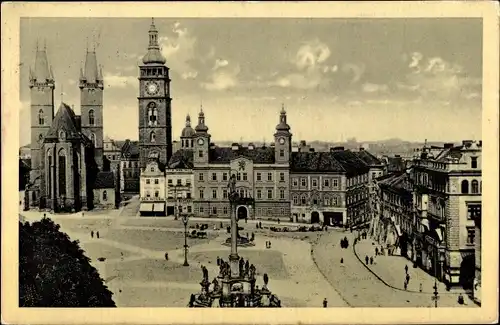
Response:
column 395, row 164
column 446, row 154
column 368, row 158
column 181, row 159
column 223, row 155
column 344, row 161
column 105, row 180
column 65, row 119
column 397, row 181
column 130, row 149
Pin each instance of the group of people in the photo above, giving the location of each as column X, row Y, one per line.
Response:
column 344, row 243
column 268, row 244
column 407, row 279
column 92, row 234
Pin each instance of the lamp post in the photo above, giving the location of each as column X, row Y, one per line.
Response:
column 185, row 220
column 436, row 294
column 233, row 257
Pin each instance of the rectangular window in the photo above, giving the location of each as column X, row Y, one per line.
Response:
column 269, row 194
column 295, row 182
column 169, row 182
column 473, row 210
column 259, row 176
column 157, row 194
column 224, row 210
column 214, row 176
column 245, row 176
column 179, row 182
column 335, row 183
column 303, row 182
column 202, row 210
column 259, row 194
column 188, row 195
column 188, row 182
column 224, row 176
column 157, row 181
column 471, row 234
column 201, row 194
column 282, row 153
column 214, row 194
column 189, row 208
column 314, row 183
column 282, row 211
column 224, row 194
column 327, row 201
column 282, row 177
column 148, row 181
column 200, row 177
column 200, row 153
column 282, row 194
column 326, row 183
column 214, row 210
column 269, row 176
column 473, row 162
column 238, row 176
column 295, row 200
column 148, row 194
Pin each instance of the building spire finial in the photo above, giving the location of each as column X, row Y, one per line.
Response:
column 62, row 93
column 152, row 21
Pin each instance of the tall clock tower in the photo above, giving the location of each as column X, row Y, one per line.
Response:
column 155, row 123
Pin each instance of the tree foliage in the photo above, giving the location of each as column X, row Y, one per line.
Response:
column 54, row 272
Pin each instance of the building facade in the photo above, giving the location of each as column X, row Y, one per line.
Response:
column 447, row 199
column 180, row 184
column 477, row 276
column 152, row 188
column 112, row 152
column 155, row 125
column 105, row 191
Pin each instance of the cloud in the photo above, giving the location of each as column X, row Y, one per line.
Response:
column 119, row 81
column 225, row 77
column 219, row 63
column 311, row 54
column 438, row 78
column 179, row 50
column 375, row 88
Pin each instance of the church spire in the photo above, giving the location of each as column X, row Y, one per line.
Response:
column 283, row 126
column 91, row 73
column 201, row 127
column 154, row 55
column 42, row 71
column 188, row 121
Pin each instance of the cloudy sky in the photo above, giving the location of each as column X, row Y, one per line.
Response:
column 372, row 79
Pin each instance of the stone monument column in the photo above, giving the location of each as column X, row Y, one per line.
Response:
column 233, row 257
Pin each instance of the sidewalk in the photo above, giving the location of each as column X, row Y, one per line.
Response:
column 391, row 269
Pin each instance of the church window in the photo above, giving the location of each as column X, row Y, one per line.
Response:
column 475, row 187
column 104, row 195
column 62, row 135
column 465, row 187
column 91, row 117
column 152, row 114
column 41, row 117
column 62, row 173
column 152, row 137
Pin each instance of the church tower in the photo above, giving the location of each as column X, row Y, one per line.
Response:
column 282, row 140
column 201, row 141
column 155, row 124
column 187, row 135
column 42, row 85
column 91, row 100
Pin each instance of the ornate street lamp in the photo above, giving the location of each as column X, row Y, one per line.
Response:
column 185, row 220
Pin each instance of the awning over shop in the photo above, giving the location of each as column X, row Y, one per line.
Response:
column 439, row 234
column 398, row 230
column 146, row 207
column 159, row 207
column 425, row 223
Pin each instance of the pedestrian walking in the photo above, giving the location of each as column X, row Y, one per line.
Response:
column 406, row 269
column 278, row 221
column 461, row 299
column 218, row 260
column 408, row 278
column 371, row 260
column 325, row 303
column 366, row 260
column 420, row 286
column 376, row 251
column 246, row 220
column 221, row 225
column 269, row 244
column 406, row 285
column 97, row 233
column 341, row 260
column 166, row 256
column 92, row 233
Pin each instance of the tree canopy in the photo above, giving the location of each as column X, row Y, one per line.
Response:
column 54, row 272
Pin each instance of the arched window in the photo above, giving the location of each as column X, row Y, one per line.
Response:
column 104, row 195
column 91, row 117
column 41, row 117
column 93, row 139
column 152, row 137
column 152, row 114
column 295, row 200
column 303, row 200
column 62, row 172
column 475, row 187
column 465, row 187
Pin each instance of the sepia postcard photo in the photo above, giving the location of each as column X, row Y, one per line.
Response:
column 324, row 159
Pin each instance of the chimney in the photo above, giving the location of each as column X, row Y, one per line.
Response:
column 361, row 149
column 480, row 143
column 302, row 143
column 397, row 156
column 466, row 143
column 235, row 146
column 311, row 150
column 448, row 145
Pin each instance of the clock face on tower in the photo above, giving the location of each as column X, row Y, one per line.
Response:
column 200, row 142
column 152, row 88
column 282, row 140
